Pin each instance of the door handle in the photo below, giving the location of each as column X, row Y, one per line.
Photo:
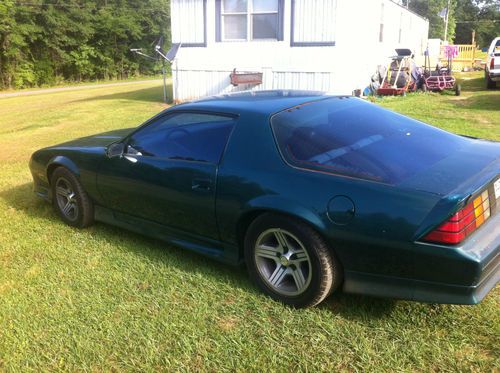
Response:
column 130, row 158
column 201, row 185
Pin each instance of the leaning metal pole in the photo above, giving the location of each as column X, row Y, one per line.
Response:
column 164, row 81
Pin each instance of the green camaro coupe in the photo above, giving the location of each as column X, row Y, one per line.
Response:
column 314, row 193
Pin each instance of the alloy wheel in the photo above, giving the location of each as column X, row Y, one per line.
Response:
column 283, row 262
column 66, row 199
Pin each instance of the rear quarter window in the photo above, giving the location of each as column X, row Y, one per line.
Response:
column 350, row 137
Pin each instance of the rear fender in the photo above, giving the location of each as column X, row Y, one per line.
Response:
column 281, row 205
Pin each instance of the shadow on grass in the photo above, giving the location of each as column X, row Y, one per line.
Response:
column 153, row 94
column 475, row 85
column 349, row 306
column 359, row 307
column 483, row 102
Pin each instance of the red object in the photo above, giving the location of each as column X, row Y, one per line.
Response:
column 388, row 90
column 440, row 82
column 492, row 64
column 456, row 228
column 463, row 223
column 245, row 78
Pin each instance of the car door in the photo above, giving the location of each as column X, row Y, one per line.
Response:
column 167, row 173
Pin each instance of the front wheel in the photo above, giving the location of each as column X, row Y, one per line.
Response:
column 70, row 199
column 290, row 261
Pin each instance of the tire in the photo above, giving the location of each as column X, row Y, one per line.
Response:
column 424, row 88
column 490, row 84
column 70, row 199
column 458, row 89
column 296, row 266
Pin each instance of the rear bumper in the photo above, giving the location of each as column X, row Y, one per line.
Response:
column 422, row 291
column 494, row 75
column 478, row 259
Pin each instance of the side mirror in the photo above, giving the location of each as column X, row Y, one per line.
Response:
column 115, row 150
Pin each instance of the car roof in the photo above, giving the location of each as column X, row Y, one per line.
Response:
column 263, row 102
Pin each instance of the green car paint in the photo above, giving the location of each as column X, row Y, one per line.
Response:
column 207, row 207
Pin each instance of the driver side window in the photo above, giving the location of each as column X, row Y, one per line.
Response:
column 197, row 137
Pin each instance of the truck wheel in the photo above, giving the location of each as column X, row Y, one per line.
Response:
column 490, row 84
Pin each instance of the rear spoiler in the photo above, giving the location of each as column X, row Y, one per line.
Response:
column 459, row 197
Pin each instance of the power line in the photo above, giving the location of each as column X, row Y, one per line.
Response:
column 480, row 21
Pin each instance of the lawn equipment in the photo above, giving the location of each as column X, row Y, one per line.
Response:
column 441, row 78
column 401, row 76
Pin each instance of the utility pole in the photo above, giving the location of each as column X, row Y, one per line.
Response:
column 446, row 21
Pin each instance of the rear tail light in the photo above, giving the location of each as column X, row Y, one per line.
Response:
column 492, row 64
column 463, row 223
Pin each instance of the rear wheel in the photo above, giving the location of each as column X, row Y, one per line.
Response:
column 289, row 261
column 490, row 84
column 70, row 199
column 458, row 89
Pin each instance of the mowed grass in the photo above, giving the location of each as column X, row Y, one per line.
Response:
column 474, row 113
column 103, row 299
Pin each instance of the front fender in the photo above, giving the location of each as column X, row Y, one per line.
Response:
column 64, row 161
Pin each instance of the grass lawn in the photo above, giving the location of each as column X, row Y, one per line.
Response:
column 103, row 299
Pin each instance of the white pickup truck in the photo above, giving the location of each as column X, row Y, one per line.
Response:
column 492, row 69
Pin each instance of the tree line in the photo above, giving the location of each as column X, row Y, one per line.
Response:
column 46, row 42
column 465, row 17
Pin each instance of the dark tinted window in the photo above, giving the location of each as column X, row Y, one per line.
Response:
column 185, row 136
column 351, row 137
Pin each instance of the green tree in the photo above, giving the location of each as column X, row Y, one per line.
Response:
column 44, row 41
column 479, row 16
column 431, row 9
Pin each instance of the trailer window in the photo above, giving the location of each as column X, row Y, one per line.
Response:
column 242, row 20
column 350, row 137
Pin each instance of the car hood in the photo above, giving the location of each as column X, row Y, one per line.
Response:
column 463, row 172
column 99, row 140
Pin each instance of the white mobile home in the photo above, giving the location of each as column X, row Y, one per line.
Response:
column 325, row 45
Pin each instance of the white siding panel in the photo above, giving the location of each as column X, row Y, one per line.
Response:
column 352, row 24
column 313, row 81
column 314, row 21
column 202, row 83
column 188, row 21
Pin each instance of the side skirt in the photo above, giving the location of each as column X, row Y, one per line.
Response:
column 220, row 251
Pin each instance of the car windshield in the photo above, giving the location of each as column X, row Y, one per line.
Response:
column 351, row 137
